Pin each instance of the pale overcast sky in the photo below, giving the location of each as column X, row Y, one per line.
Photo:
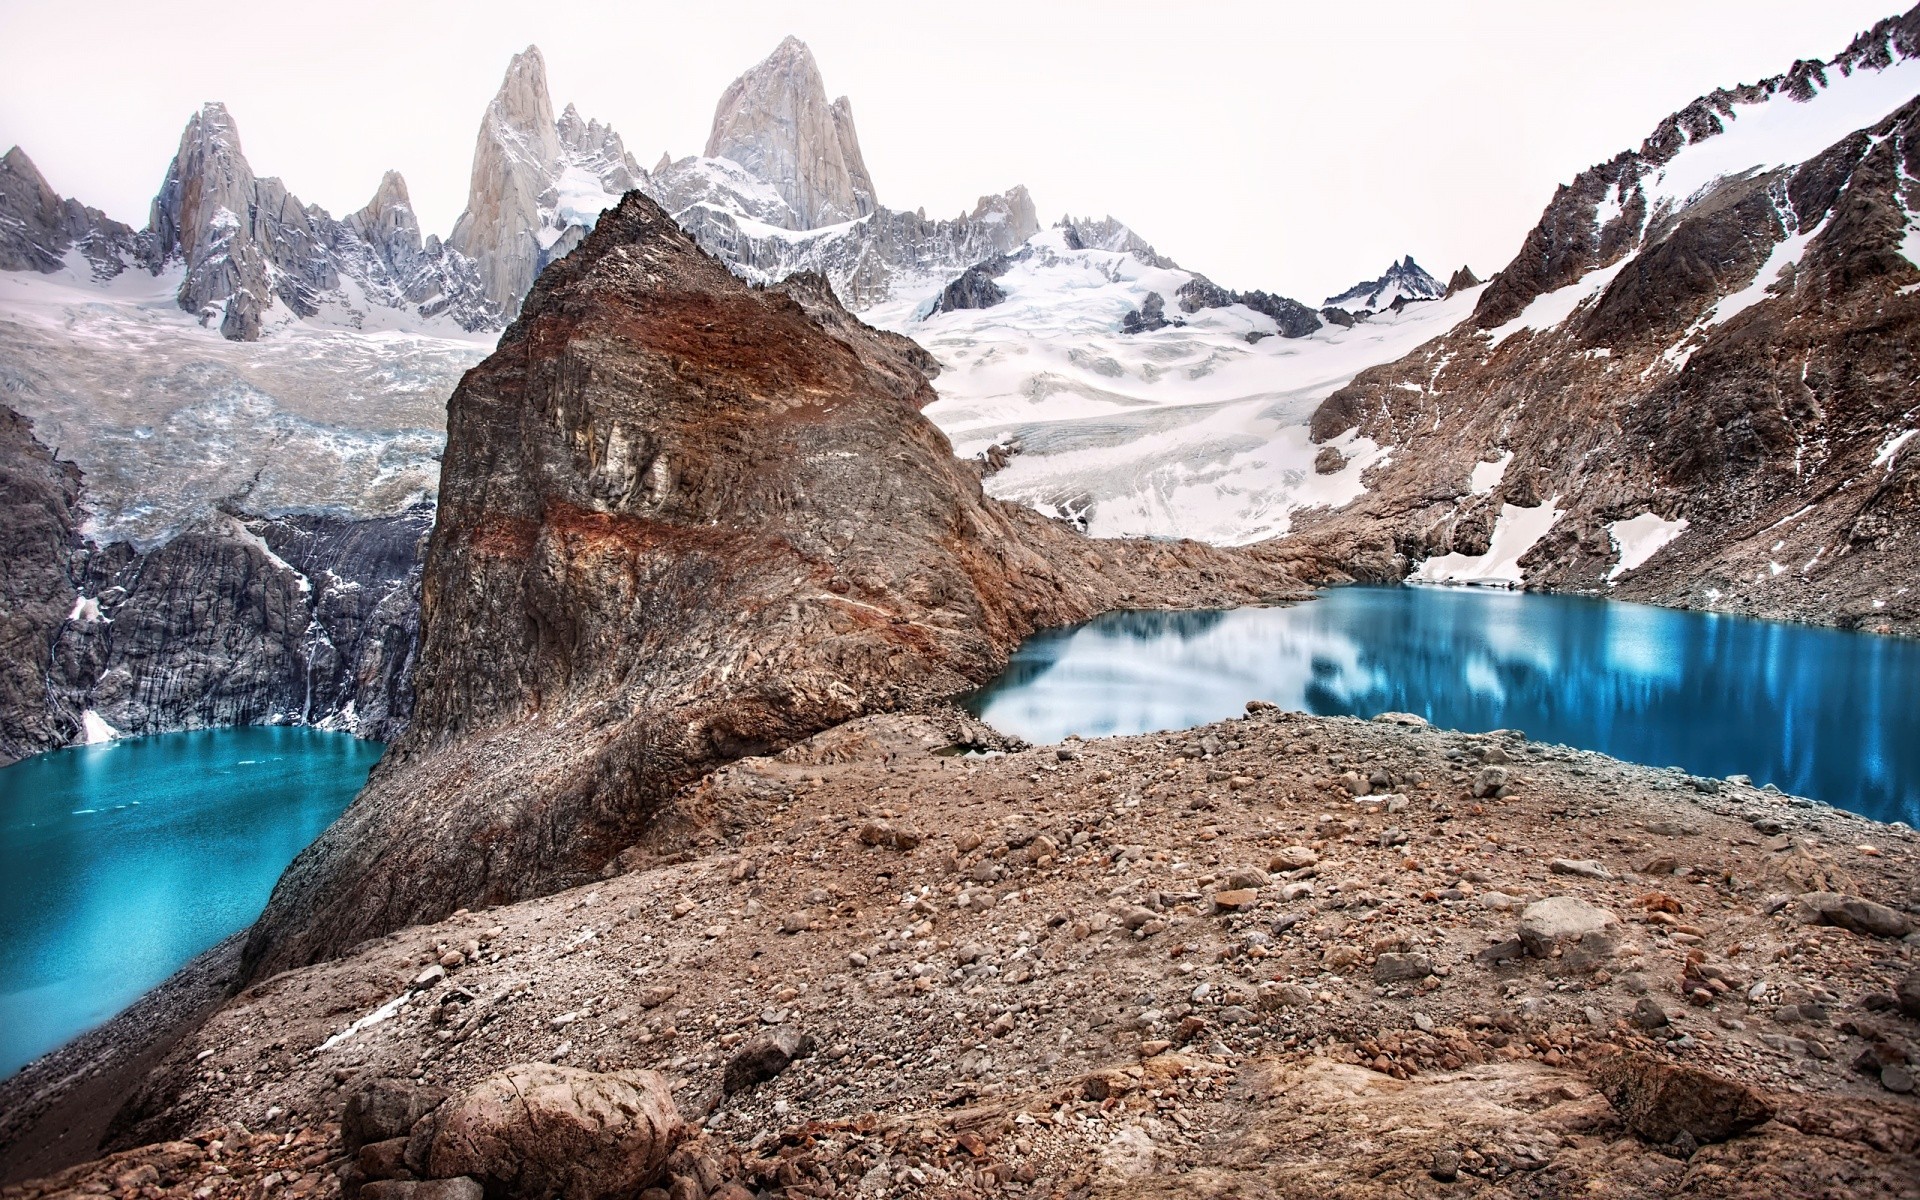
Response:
column 1287, row 146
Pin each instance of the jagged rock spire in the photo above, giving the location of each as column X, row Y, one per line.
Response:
column 246, row 241
column 515, row 158
column 775, row 121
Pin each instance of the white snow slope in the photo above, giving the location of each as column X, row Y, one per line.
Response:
column 1182, row 432
column 168, row 420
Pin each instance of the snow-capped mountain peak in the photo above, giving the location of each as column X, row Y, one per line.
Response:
column 1405, row 278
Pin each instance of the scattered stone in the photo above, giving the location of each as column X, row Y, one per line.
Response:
column 1648, row 1014
column 1446, row 1165
column 1235, row 900
column 1659, row 1100
column 542, row 1132
column 1399, row 718
column 1247, row 877
column 1293, row 858
column 1896, row 1078
column 1548, row 924
column 1851, row 913
column 1909, row 995
column 1586, row 868
column 460, row 1187
column 1397, row 968
column 881, row 833
column 1490, row 783
column 764, row 1057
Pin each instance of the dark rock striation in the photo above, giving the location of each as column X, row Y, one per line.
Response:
column 682, row 520
column 39, row 517
column 243, row 620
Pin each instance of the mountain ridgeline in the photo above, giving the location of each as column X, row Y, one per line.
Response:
column 1702, row 360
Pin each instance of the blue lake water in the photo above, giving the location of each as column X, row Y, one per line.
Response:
column 1817, row 712
column 122, row 861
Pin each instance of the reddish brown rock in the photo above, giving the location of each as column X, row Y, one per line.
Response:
column 541, row 1132
column 1660, row 1100
column 682, row 520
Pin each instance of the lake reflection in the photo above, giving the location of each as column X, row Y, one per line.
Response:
column 1817, row 712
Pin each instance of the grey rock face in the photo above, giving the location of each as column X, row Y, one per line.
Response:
column 310, row 620
column 776, row 122
column 39, row 515
column 38, row 228
column 303, row 619
column 1294, row 318
column 527, row 168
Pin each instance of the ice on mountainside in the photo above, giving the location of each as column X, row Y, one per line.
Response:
column 1199, row 426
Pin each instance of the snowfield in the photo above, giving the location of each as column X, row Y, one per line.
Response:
column 168, row 420
column 1188, row 431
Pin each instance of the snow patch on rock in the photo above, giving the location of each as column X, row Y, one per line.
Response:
column 1514, row 533
column 1638, row 539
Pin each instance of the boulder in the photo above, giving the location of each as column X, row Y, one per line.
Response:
column 1851, row 913
column 1558, row 921
column 537, row 1131
column 457, row 1188
column 764, row 1057
column 1660, row 1101
column 1909, row 995
column 379, row 1110
column 1398, row 968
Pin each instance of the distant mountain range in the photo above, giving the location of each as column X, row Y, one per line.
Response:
column 1686, row 386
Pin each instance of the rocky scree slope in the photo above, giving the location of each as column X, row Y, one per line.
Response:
column 1705, row 359
column 681, row 520
column 1276, row 956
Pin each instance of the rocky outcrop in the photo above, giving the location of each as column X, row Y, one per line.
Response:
column 1461, row 281
column 1151, row 315
column 775, row 121
column 39, row 519
column 975, row 288
column 1292, row 318
column 682, row 520
column 1703, row 369
column 38, row 228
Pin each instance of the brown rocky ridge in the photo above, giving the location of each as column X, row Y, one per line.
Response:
column 1769, row 431
column 682, row 520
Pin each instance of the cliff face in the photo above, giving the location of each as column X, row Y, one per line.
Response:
column 39, row 499
column 682, row 519
column 303, row 619
column 1703, row 370
column 776, row 122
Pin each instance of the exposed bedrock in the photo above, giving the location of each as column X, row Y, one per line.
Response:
column 240, row 620
column 682, row 520
column 1740, row 375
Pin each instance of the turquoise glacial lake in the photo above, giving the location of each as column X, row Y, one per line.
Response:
column 1822, row 713
column 122, row 861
